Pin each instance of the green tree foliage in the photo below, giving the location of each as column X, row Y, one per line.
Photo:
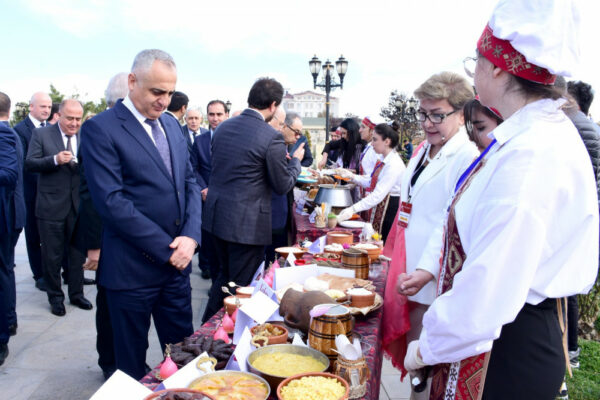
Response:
column 22, row 108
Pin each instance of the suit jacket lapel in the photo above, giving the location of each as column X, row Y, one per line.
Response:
column 133, row 127
column 171, row 140
column 57, row 138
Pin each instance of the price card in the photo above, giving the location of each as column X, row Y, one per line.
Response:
column 243, row 350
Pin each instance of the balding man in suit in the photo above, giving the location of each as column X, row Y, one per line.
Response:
column 40, row 107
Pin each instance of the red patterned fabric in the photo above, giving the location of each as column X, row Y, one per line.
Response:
column 501, row 53
column 462, row 380
column 368, row 329
column 368, row 123
column 376, row 214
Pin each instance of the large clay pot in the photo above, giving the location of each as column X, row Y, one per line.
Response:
column 341, row 237
column 295, row 307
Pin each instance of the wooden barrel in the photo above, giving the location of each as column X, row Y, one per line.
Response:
column 324, row 329
column 356, row 260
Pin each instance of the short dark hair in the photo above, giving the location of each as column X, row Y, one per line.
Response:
column 4, row 104
column 221, row 102
column 469, row 111
column 178, row 100
column 264, row 92
column 387, row 132
column 53, row 110
column 582, row 93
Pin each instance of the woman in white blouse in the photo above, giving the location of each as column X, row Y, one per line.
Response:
column 427, row 184
column 522, row 227
column 382, row 186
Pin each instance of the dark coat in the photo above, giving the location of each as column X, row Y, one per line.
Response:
column 200, row 158
column 248, row 164
column 58, row 185
column 143, row 208
column 12, row 202
column 307, row 160
column 25, row 130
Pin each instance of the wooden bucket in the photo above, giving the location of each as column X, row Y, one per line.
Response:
column 355, row 372
column 356, row 260
column 324, row 329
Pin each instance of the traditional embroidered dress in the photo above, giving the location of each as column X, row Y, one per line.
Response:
column 375, row 215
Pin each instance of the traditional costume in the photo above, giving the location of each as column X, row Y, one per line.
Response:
column 521, row 230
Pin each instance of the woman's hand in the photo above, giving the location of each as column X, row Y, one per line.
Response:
column 410, row 284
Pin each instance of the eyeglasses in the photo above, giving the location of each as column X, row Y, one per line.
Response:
column 435, row 118
column 296, row 131
column 469, row 64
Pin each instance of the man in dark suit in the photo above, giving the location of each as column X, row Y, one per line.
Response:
column 200, row 156
column 12, row 220
column 251, row 160
column 143, row 187
column 293, row 124
column 192, row 128
column 53, row 154
column 40, row 106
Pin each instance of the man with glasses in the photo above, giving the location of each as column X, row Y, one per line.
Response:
column 293, row 125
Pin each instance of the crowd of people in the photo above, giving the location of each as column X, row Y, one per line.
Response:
column 491, row 222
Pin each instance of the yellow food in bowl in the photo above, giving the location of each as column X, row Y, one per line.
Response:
column 231, row 386
column 313, row 388
column 287, row 364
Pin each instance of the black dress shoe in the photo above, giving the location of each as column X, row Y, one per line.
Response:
column 12, row 329
column 3, row 352
column 82, row 303
column 87, row 281
column 41, row 284
column 58, row 309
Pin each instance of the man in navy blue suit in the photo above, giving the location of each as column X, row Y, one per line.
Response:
column 192, row 128
column 143, row 187
column 248, row 163
column 40, row 106
column 12, row 220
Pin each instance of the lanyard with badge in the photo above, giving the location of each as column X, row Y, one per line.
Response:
column 406, row 206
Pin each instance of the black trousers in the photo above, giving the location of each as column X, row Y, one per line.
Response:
column 104, row 335
column 56, row 236
column 237, row 262
column 389, row 217
column 8, row 314
column 207, row 257
column 527, row 360
column 572, row 323
column 32, row 235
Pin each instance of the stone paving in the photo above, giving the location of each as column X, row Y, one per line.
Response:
column 55, row 357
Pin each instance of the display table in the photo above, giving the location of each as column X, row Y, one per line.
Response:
column 368, row 327
column 302, row 229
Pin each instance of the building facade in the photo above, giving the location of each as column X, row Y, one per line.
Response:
column 309, row 104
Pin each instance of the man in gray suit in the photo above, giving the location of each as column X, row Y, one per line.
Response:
column 248, row 163
column 53, row 154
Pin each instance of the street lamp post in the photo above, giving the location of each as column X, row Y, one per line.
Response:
column 228, row 105
column 328, row 82
column 406, row 113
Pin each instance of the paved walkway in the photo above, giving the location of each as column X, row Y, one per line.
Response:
column 55, row 357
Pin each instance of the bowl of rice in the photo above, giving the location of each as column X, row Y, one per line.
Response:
column 313, row 386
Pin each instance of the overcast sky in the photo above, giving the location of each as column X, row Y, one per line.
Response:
column 221, row 47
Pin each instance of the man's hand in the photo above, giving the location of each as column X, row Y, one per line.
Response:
column 204, row 193
column 64, row 157
column 410, row 284
column 299, row 153
column 93, row 256
column 184, row 250
column 323, row 161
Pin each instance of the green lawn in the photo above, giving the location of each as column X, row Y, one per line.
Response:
column 585, row 384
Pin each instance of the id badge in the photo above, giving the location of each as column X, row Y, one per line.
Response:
column 404, row 215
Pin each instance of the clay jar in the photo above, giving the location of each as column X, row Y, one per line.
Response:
column 295, row 307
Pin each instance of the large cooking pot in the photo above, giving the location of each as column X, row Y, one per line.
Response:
column 335, row 195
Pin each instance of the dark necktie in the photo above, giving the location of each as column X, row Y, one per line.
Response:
column 161, row 144
column 42, row 124
column 70, row 150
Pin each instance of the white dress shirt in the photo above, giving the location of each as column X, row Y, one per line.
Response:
column 129, row 104
column 369, row 159
column 388, row 182
column 528, row 223
column 74, row 146
column 35, row 122
column 429, row 197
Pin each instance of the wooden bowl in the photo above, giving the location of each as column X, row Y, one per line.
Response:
column 285, row 251
column 340, row 237
column 230, row 305
column 307, row 374
column 372, row 252
column 279, row 339
column 244, row 292
column 155, row 395
column 361, row 300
